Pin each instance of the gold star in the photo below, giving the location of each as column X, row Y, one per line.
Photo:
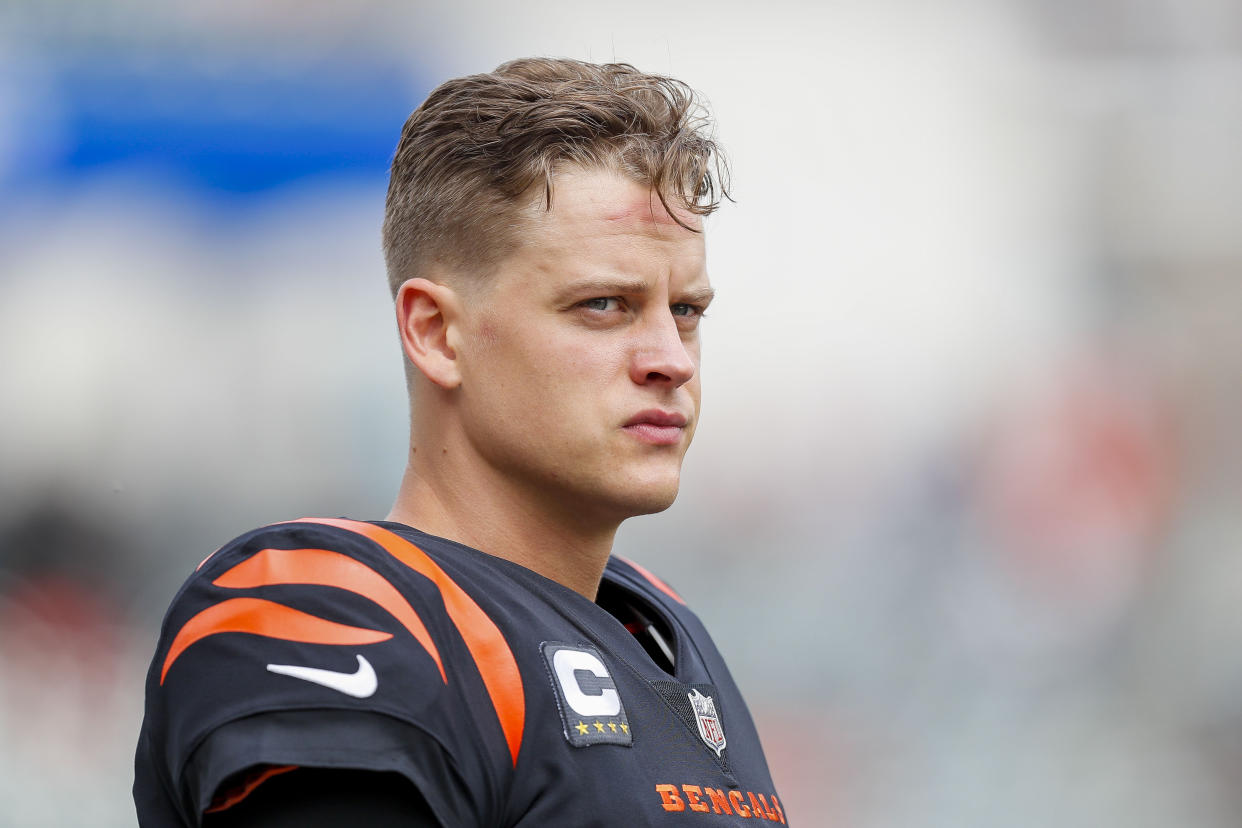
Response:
column 581, row 728
column 625, row 728
column 612, row 726
column 599, row 727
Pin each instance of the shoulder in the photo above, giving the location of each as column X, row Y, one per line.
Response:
column 337, row 534
column 317, row 642
column 307, row 582
column 313, row 594
column 323, row 590
column 639, row 579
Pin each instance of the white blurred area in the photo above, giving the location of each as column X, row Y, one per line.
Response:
column 963, row 509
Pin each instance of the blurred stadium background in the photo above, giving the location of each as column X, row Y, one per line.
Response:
column 964, row 507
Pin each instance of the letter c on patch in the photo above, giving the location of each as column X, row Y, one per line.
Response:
column 606, row 702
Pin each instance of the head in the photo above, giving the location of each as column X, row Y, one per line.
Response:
column 483, row 150
column 544, row 244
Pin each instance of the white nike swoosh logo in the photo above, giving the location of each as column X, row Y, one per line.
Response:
column 360, row 684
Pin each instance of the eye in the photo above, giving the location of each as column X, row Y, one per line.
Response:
column 602, row 304
column 686, row 309
column 688, row 315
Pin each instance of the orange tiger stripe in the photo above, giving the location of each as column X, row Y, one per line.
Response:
column 655, row 582
column 323, row 567
column 266, row 618
column 483, row 638
column 227, row 799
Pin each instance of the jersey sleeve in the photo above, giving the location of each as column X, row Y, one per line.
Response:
column 302, row 645
column 313, row 798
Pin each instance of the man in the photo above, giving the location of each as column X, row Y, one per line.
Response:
column 494, row 666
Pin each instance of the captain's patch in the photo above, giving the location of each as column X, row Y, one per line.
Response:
column 591, row 708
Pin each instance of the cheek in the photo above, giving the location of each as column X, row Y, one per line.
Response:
column 597, row 364
column 488, row 334
column 547, row 366
column 540, row 371
column 580, row 358
column 696, row 394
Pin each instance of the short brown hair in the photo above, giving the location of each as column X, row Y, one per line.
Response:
column 481, row 147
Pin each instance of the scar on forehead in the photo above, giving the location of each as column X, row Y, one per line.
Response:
column 651, row 210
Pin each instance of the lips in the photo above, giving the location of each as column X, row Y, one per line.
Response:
column 656, row 427
column 657, row 417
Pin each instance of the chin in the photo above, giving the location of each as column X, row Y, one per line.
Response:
column 649, row 497
column 622, row 492
column 651, row 506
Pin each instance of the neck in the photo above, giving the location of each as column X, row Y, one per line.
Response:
column 494, row 518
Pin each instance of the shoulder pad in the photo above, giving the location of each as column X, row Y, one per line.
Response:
column 646, row 580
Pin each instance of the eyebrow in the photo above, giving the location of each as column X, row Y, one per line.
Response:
column 604, row 287
column 623, row 287
column 700, row 296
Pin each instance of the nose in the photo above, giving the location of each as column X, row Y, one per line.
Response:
column 661, row 355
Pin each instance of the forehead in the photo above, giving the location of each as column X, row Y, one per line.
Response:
column 609, row 202
column 646, row 207
column 602, row 229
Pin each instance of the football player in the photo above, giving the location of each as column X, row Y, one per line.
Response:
column 479, row 657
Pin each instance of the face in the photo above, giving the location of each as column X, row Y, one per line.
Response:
column 579, row 360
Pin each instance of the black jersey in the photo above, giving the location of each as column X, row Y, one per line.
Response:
column 506, row 698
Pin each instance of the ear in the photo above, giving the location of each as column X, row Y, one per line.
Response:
column 426, row 315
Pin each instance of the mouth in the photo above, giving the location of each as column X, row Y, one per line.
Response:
column 656, row 427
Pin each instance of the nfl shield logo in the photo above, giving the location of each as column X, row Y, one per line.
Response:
column 708, row 721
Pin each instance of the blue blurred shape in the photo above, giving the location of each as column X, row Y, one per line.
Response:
column 228, row 123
